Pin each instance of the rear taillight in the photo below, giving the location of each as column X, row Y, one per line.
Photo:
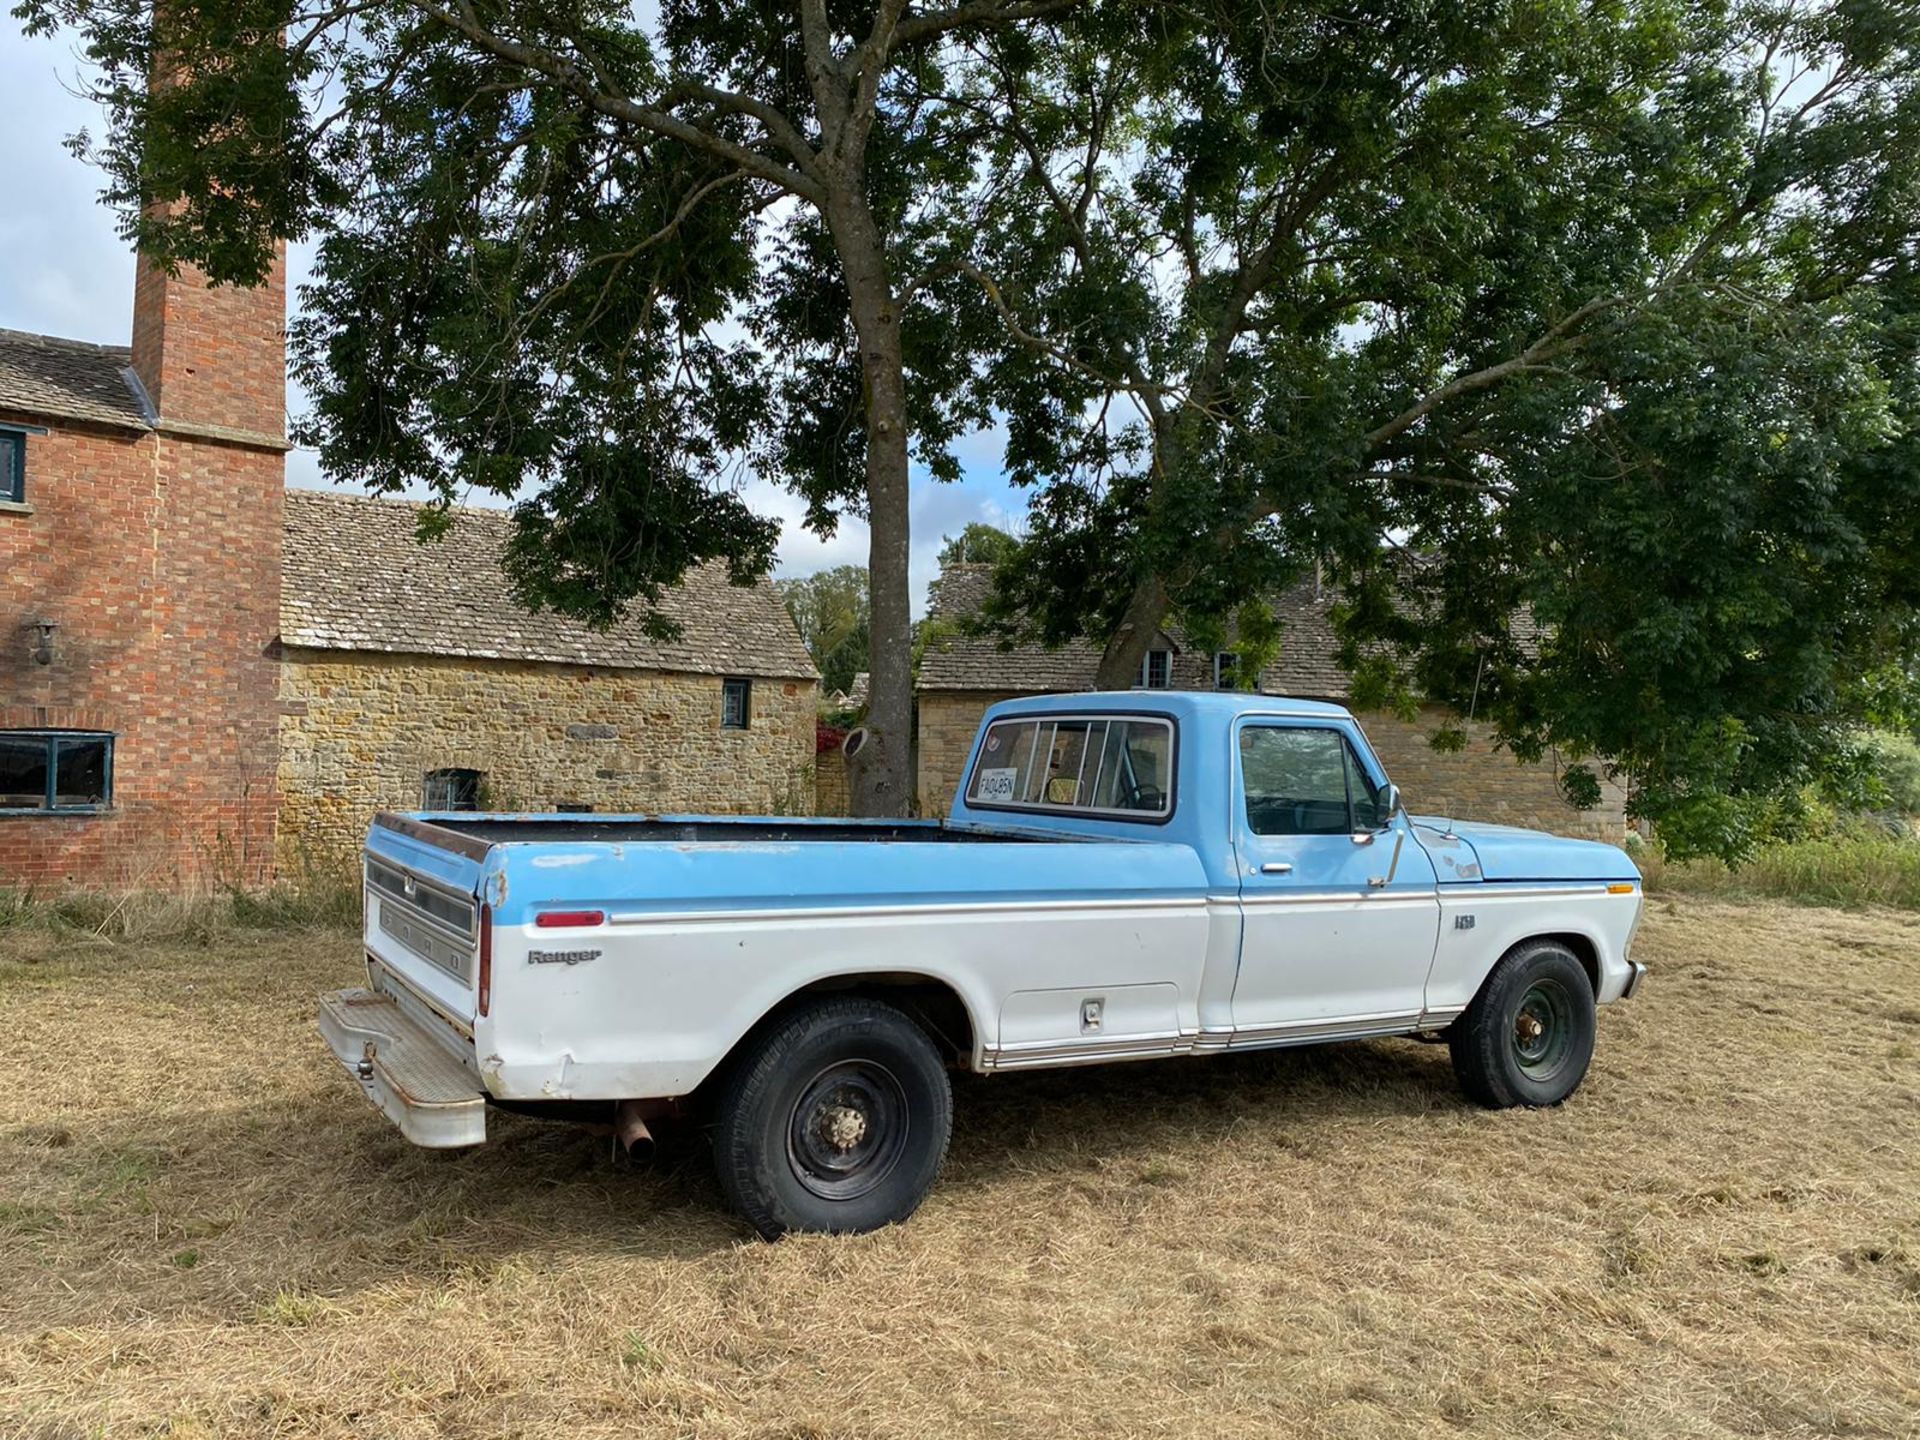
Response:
column 486, row 957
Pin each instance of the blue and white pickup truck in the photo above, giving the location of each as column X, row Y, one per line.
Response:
column 1123, row 877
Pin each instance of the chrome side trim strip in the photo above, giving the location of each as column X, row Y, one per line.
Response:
column 1521, row 889
column 1031, row 1054
column 1372, row 899
column 1387, row 1022
column 846, row 912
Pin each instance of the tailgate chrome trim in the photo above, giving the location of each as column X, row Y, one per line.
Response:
column 409, row 1075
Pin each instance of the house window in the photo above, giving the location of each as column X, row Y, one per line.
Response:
column 1156, row 670
column 55, row 772
column 13, row 465
column 452, row 790
column 736, row 704
column 1226, row 670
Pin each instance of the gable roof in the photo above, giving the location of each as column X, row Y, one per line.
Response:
column 356, row 577
column 1307, row 665
column 70, row 380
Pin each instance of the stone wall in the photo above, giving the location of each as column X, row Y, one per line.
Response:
column 949, row 719
column 360, row 731
column 1482, row 783
column 1477, row 783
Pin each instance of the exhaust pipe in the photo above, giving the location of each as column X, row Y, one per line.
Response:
column 632, row 1132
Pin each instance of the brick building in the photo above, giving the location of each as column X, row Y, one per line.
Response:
column 408, row 680
column 202, row 673
column 962, row 673
column 140, row 518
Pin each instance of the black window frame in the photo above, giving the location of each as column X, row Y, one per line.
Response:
column 449, row 775
column 54, row 739
column 1352, row 766
column 1225, row 663
column 742, row 685
column 13, row 473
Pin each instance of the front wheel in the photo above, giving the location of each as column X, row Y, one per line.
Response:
column 1527, row 1038
column 836, row 1119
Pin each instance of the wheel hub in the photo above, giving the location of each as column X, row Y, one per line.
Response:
column 842, row 1126
column 1543, row 1030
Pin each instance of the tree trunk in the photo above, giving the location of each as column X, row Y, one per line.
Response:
column 880, row 776
column 1131, row 639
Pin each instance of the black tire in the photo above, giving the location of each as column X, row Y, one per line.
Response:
column 836, row 1119
column 1527, row 1038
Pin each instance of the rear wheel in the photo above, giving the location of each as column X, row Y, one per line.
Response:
column 836, row 1119
column 1527, row 1038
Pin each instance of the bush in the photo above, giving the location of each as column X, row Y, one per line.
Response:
column 1897, row 768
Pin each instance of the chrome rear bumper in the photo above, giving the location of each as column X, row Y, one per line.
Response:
column 413, row 1079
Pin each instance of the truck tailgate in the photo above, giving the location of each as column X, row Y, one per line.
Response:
column 411, row 1076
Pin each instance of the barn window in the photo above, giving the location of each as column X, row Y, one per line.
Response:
column 55, row 772
column 452, row 790
column 1226, row 670
column 1156, row 670
column 736, row 704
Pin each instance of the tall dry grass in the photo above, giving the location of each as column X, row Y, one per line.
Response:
column 1848, row 872
column 206, row 1231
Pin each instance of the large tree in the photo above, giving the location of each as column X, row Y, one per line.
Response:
column 585, row 262
column 1578, row 340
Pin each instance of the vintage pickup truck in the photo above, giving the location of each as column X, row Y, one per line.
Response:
column 1123, row 877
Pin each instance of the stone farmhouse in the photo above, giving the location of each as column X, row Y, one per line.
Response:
column 962, row 673
column 206, row 678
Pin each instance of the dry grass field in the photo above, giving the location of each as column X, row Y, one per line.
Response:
column 204, row 1230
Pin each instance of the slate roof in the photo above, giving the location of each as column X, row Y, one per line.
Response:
column 1307, row 666
column 69, row 380
column 356, row 578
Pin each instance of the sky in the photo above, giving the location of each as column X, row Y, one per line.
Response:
column 64, row 271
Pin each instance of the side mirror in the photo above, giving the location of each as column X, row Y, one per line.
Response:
column 1390, row 803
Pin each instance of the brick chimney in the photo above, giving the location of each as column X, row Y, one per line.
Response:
column 213, row 358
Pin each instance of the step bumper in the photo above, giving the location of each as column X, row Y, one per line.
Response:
column 409, row 1075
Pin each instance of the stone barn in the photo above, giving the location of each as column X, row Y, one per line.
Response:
column 409, row 679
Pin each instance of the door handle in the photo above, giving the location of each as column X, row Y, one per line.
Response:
column 1277, row 867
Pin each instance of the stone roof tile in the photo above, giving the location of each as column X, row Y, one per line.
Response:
column 357, row 577
column 69, row 380
column 1307, row 667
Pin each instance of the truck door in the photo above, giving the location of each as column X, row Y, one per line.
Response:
column 1339, row 906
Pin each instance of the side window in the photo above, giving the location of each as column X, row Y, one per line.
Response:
column 736, row 704
column 54, row 772
column 13, row 465
column 1304, row 782
column 451, row 790
column 1366, row 800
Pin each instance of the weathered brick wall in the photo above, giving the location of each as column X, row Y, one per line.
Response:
column 1477, row 783
column 212, row 356
column 358, row 732
column 158, row 558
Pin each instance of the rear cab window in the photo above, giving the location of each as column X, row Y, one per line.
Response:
column 1116, row 767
